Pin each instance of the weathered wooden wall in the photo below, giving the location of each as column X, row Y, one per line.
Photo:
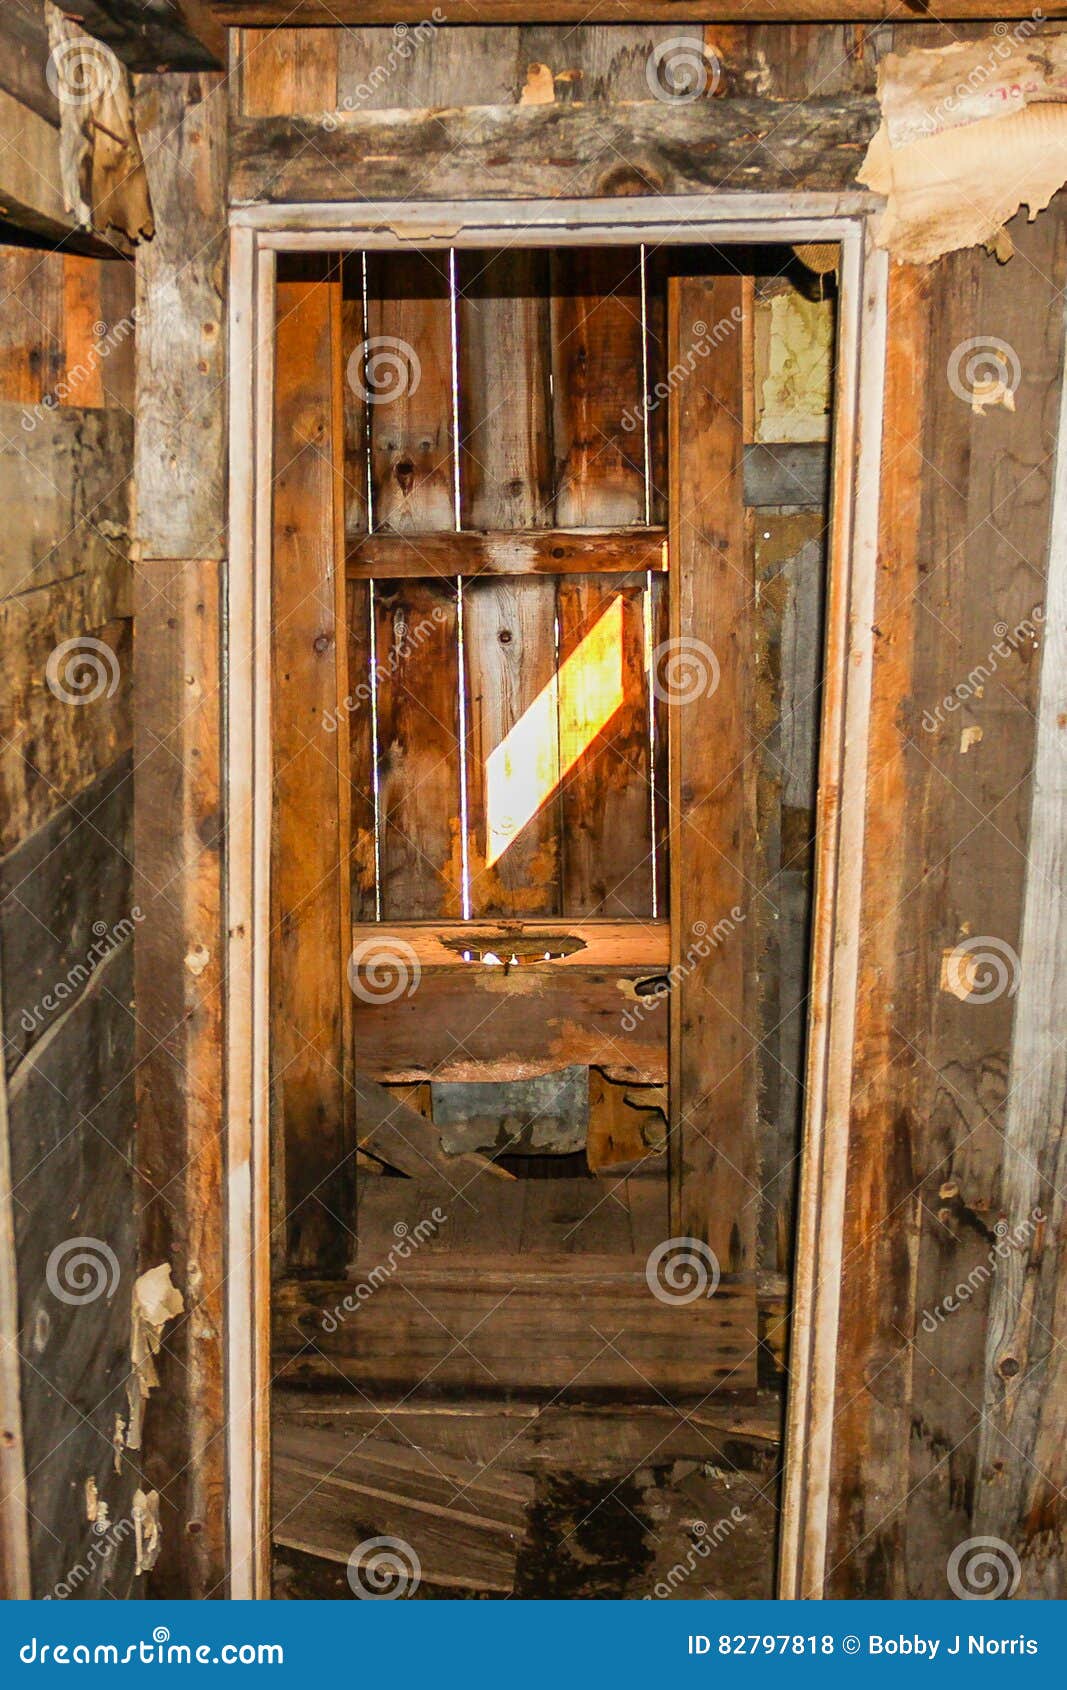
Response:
column 965, row 543
column 67, row 913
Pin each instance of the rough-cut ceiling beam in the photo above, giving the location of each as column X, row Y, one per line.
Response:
column 554, row 151
column 151, row 35
column 263, row 13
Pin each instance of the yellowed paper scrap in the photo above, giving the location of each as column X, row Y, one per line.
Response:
column 969, row 133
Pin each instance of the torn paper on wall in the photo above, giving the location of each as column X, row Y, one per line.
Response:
column 969, row 133
column 148, row 1538
column 156, row 1299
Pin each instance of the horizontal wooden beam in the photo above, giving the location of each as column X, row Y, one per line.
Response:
column 169, row 35
column 544, row 551
column 553, row 151
column 263, row 13
column 483, row 1023
column 590, row 944
column 489, row 1325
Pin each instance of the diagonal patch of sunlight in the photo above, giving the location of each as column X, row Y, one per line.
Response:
column 563, row 720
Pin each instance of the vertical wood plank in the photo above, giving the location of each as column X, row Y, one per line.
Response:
column 81, row 313
column 424, row 66
column 606, row 792
column 713, row 1107
column 310, row 943
column 285, row 72
column 31, row 324
column 509, row 633
column 418, row 749
column 596, row 382
column 407, row 376
column 181, row 347
column 177, row 849
column 355, row 403
column 181, row 471
column 361, row 805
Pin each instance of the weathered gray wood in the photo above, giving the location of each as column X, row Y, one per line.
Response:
column 14, row 1521
column 181, row 337
column 787, row 475
column 72, row 1121
column 31, row 196
column 65, row 493
column 1022, row 1461
column 24, row 57
column 65, row 902
column 182, row 449
column 549, row 151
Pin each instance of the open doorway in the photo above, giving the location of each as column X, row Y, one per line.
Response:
column 547, row 598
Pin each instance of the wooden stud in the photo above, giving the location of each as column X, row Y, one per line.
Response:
column 713, row 1103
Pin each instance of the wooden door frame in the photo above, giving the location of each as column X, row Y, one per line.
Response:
column 257, row 234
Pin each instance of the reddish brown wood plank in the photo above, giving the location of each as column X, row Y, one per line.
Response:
column 596, row 385
column 417, row 668
column 708, row 672
column 309, row 931
column 555, row 551
column 361, row 802
column 406, row 374
column 484, row 1025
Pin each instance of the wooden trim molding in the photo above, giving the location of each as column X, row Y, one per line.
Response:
column 260, row 14
column 257, row 234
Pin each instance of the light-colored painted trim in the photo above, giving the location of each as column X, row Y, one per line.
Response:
column 355, row 225
column 263, row 230
column 839, row 886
